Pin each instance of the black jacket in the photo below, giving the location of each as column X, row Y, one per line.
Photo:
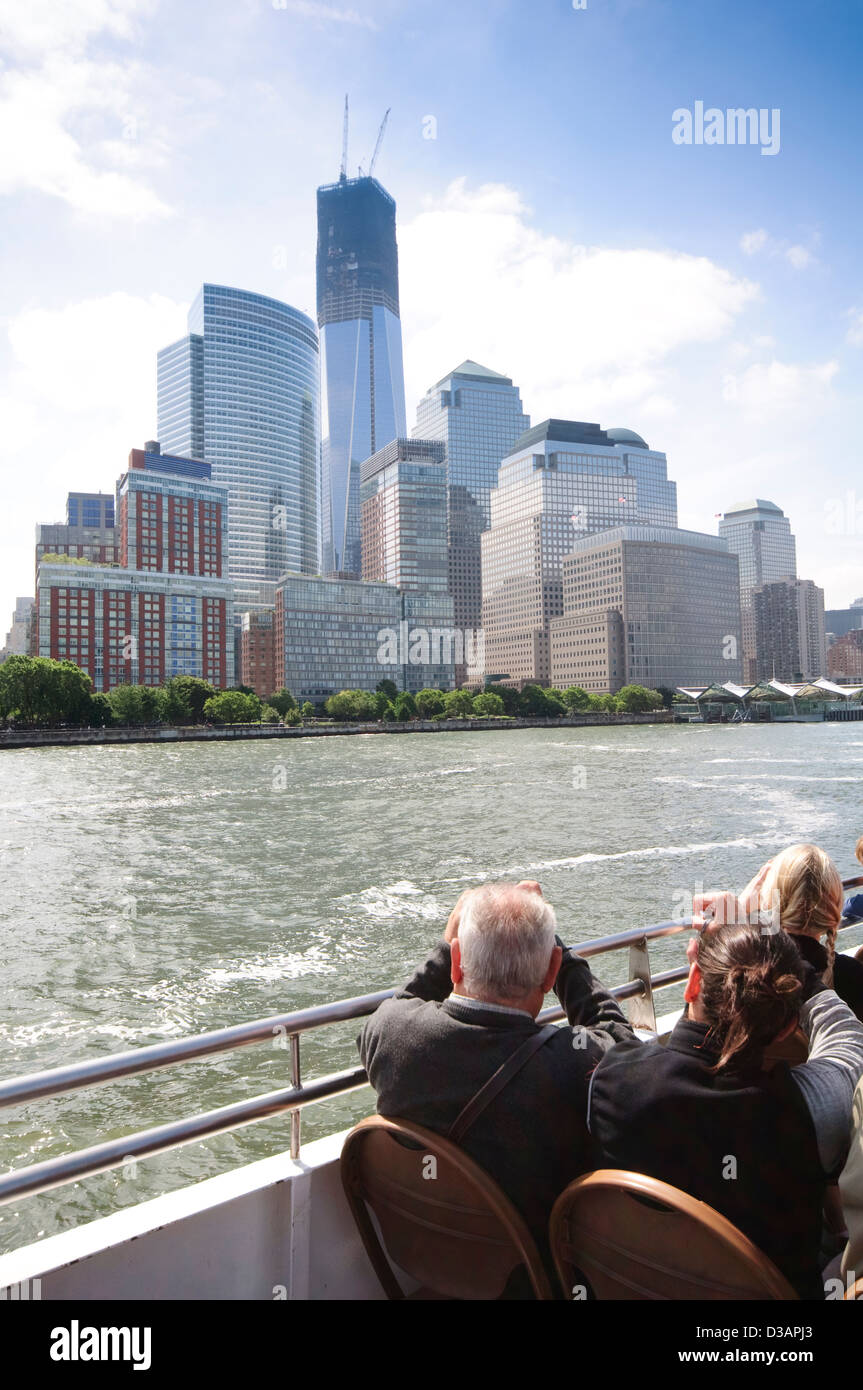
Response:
column 847, row 972
column 743, row 1143
column 427, row 1054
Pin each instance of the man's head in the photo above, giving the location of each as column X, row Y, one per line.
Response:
column 504, row 951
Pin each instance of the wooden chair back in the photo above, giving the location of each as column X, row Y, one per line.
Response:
column 442, row 1219
column 632, row 1237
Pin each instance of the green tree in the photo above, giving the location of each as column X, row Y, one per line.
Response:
column 36, row 690
column 429, row 703
column 100, row 715
column 575, row 698
column 458, row 704
column 185, row 697
column 541, row 703
column 405, row 707
column 487, row 704
column 352, row 705
column 506, row 693
column 136, row 704
column 293, row 718
column 269, row 715
column 388, row 688
column 636, row 699
column 282, row 701
column 233, row 707
column 308, row 710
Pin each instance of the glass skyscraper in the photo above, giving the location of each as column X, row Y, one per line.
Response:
column 478, row 416
column 241, row 390
column 361, row 345
column 759, row 533
column 563, row 479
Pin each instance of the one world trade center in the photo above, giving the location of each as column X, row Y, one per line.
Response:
column 363, row 405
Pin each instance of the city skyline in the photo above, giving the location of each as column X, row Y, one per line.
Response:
column 707, row 293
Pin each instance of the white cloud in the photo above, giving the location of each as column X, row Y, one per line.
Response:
column 754, row 242
column 42, row 104
column 326, row 14
column 799, row 257
column 582, row 329
column 855, row 332
column 771, row 388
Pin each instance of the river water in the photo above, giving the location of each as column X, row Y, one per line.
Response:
column 148, row 892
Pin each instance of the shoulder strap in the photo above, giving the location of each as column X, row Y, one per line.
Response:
column 495, row 1084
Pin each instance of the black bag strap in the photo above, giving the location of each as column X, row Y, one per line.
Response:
column 495, row 1084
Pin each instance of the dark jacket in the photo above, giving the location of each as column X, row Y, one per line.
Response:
column 427, row 1054
column 743, row 1143
column 847, row 972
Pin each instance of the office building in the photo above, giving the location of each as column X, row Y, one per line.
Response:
column 845, row 657
column 361, row 352
column 18, row 637
column 840, row 621
column 477, row 415
column 258, row 652
column 403, row 501
column 241, row 390
column 645, row 605
column 759, row 534
column 332, row 635
column 790, row 637
column 563, row 479
column 162, row 607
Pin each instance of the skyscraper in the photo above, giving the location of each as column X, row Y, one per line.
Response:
column 790, row 642
column 562, row 480
column 361, row 346
column 241, row 390
column 759, row 533
column 477, row 414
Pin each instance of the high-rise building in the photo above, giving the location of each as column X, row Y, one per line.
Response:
column 18, row 637
column 477, row 415
column 329, row 635
column 759, row 533
column 845, row 657
column 241, row 390
column 403, row 500
column 361, row 352
column 840, row 621
column 562, row 480
column 646, row 605
column 258, row 652
column 790, row 640
column 162, row 607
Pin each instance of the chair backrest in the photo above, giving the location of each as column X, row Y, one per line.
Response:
column 632, row 1237
column 442, row 1219
column 855, row 1291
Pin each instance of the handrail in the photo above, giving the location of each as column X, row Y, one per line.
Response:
column 55, row 1172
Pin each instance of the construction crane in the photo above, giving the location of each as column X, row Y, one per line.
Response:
column 380, row 138
column 343, row 172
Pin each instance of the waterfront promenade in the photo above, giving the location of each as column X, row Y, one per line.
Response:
column 197, row 733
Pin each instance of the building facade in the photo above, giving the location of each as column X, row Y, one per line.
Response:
column 477, row 415
column 651, row 606
column 241, row 390
column 161, row 606
column 361, row 352
column 845, row 657
column 330, row 635
column 759, row 534
column 403, row 514
column 18, row 637
column 258, row 652
column 790, row 639
column 562, row 480
column 840, row 621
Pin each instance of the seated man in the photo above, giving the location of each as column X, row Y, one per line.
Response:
column 467, row 1010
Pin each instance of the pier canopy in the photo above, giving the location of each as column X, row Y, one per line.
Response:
column 729, row 693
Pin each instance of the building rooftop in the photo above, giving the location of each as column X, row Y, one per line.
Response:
column 473, row 369
column 755, row 504
column 576, row 432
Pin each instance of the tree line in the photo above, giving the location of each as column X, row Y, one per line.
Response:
column 38, row 692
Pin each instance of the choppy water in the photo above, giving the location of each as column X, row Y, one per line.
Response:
column 149, row 892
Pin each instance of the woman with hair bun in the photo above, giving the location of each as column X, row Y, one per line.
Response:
column 703, row 1114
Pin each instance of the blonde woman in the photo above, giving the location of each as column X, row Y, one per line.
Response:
column 802, row 889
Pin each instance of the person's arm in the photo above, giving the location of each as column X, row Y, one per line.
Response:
column 587, row 1003
column 828, row 1078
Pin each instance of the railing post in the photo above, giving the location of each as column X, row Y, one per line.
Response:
column 642, row 1013
column 297, row 1083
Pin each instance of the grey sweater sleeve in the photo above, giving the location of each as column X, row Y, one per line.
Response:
column 827, row 1080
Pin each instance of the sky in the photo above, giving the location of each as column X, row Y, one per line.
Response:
column 553, row 224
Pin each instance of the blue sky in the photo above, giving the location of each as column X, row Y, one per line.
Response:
column 710, row 297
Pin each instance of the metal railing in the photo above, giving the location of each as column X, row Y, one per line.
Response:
column 640, row 989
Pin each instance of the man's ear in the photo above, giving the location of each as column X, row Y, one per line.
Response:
column 456, row 973
column 693, row 984
column 553, row 968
